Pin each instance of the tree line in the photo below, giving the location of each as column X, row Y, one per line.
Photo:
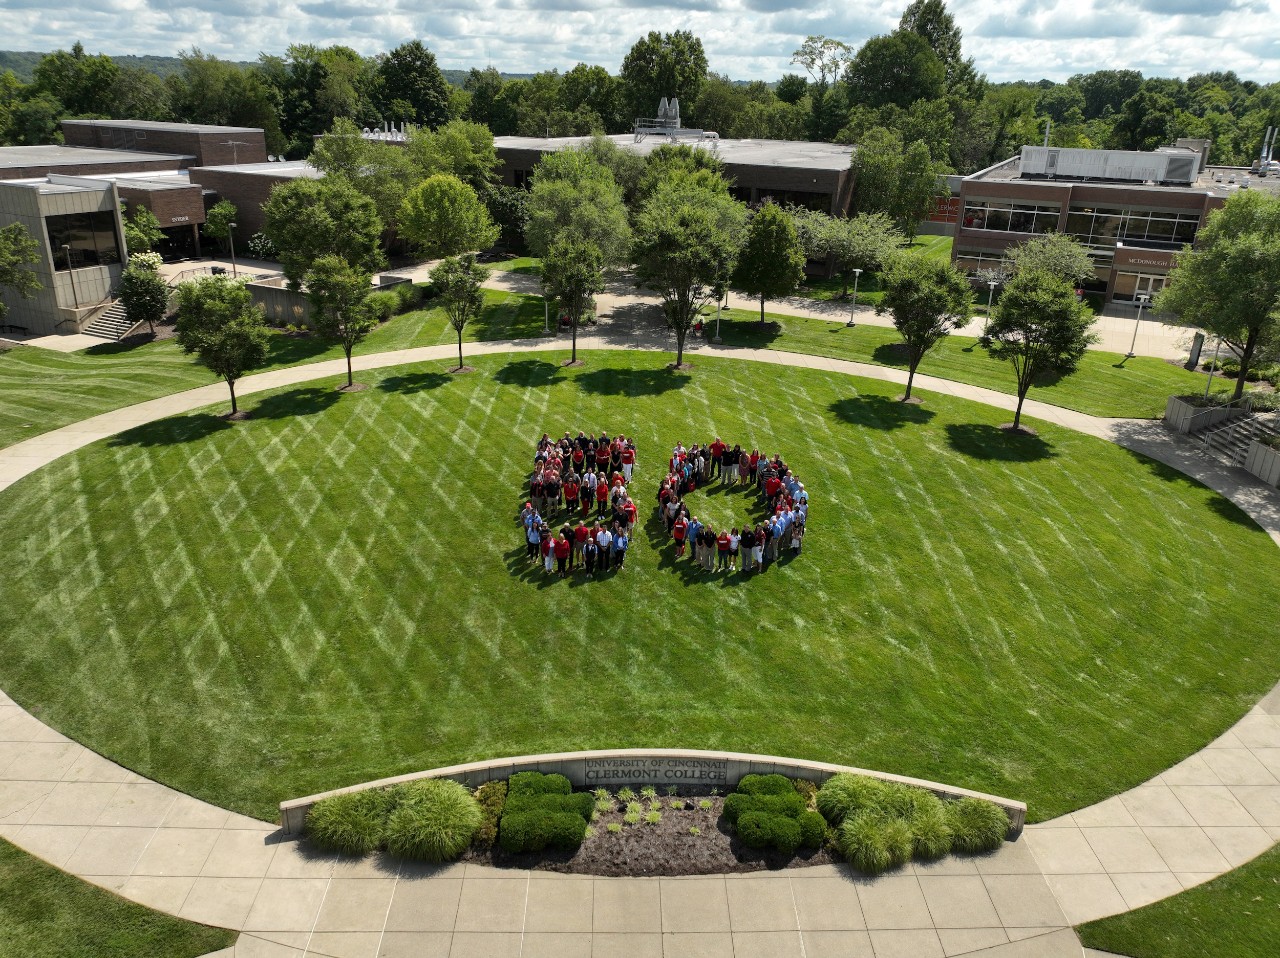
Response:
column 913, row 85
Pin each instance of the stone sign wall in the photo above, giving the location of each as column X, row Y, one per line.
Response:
column 689, row 769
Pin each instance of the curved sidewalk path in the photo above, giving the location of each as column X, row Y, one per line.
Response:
column 166, row 850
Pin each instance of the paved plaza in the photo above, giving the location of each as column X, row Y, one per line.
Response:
column 1208, row 814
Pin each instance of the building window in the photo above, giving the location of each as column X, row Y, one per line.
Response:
column 522, row 179
column 91, row 236
column 1007, row 217
column 1104, row 227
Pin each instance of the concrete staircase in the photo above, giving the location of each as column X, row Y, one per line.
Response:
column 1230, row 441
column 111, row 323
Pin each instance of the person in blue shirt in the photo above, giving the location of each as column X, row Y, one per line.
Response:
column 620, row 545
column 533, row 539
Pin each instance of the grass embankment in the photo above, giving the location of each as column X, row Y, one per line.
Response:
column 335, row 590
column 869, row 291
column 1234, row 916
column 46, row 913
column 1105, row 385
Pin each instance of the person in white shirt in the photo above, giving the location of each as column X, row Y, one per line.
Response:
column 604, row 539
column 734, row 539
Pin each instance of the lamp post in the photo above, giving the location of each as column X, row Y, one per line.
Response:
column 1212, row 367
column 66, row 248
column 546, row 315
column 719, row 303
column 231, row 238
column 986, row 325
column 857, row 275
column 1142, row 301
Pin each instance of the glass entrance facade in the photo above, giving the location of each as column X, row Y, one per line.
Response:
column 91, row 237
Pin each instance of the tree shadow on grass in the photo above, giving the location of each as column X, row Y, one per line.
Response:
column 305, row 401
column 172, row 432
column 879, row 412
column 981, row 441
column 631, row 382
column 528, row 372
column 413, row 382
column 891, row 354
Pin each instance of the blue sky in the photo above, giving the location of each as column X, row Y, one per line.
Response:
column 747, row 39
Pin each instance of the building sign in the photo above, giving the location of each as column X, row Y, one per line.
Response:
column 1139, row 261
column 179, row 219
column 656, row 771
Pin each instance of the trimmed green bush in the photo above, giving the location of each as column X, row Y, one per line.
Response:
column 790, row 806
column 579, row 803
column 844, row 794
column 813, row 829
column 766, row 785
column 976, row 825
column 930, row 833
column 353, row 824
column 433, row 821
column 762, row 830
column 383, row 305
column 492, row 797
column 535, row 831
column 535, row 783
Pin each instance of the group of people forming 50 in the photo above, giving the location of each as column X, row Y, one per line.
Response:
column 786, row 506
column 577, row 476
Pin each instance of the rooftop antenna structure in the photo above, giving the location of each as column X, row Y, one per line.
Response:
column 1047, row 127
column 667, row 123
column 235, row 149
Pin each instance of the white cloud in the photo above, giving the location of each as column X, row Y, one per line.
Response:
column 747, row 39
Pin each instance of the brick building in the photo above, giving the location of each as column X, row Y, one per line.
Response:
column 1133, row 211
column 200, row 144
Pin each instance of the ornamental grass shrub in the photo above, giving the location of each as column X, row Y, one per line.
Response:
column 351, row 824
column 845, row 793
column 976, row 825
column 434, row 820
column 930, row 831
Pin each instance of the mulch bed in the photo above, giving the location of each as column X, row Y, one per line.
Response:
column 666, row 848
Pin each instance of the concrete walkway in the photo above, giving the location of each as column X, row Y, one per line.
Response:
column 166, row 850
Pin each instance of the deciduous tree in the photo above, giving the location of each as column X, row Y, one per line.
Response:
column 142, row 230
column 1054, row 253
column 218, row 321
column 412, row 88
column 574, row 194
column 771, row 261
column 573, row 272
column 1229, row 282
column 458, row 281
column 1041, row 328
column 443, row 216
column 307, row 219
column 928, row 300
column 143, row 293
column 18, row 257
column 339, row 294
column 663, row 65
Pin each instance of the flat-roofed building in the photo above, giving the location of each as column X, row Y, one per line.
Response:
column 813, row 175
column 202, row 144
column 29, row 162
column 1132, row 211
column 248, row 186
column 79, row 250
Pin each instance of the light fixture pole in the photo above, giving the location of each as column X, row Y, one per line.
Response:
column 719, row 302
column 546, row 315
column 857, row 275
column 986, row 326
column 1212, row 367
column 1142, row 301
column 231, row 238
column 66, row 248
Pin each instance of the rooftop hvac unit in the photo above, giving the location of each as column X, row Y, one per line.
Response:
column 1124, row 166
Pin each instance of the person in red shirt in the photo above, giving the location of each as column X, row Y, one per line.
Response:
column 580, row 534
column 678, row 530
column 602, row 496
column 717, row 450
column 562, row 554
column 755, row 461
column 628, row 461
column 722, row 550
column 629, row 508
column 571, row 494
column 771, row 487
column 578, row 459
column 602, row 458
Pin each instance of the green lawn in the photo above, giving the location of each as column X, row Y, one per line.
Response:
column 46, row 913
column 1105, row 384
column 42, row 390
column 869, row 291
column 335, row 591
column 1234, row 916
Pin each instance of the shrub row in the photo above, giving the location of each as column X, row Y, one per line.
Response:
column 768, row 811
column 432, row 820
column 881, row 825
column 394, row 300
column 541, row 812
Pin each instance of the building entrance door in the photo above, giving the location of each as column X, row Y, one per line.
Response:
column 1148, row 286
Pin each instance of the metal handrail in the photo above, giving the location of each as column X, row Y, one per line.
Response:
column 1245, row 403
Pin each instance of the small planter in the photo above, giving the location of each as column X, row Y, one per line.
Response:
column 1264, row 462
column 1182, row 416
